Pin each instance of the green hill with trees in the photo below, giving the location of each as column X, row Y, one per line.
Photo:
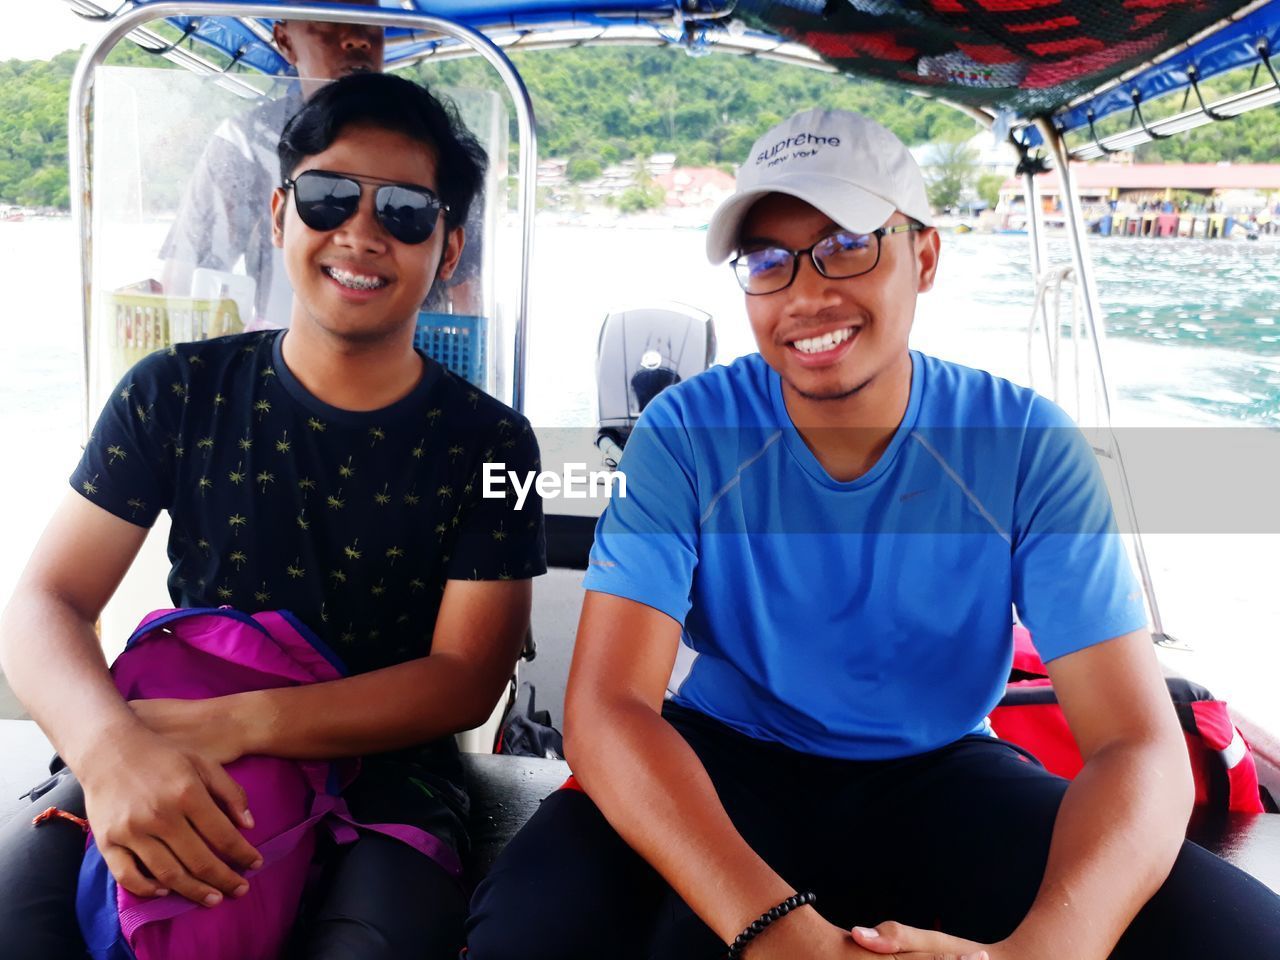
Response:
column 599, row 106
column 33, row 125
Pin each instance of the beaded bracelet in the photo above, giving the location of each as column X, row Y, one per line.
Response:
column 758, row 925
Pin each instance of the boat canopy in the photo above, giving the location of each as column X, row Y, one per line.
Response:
column 1009, row 61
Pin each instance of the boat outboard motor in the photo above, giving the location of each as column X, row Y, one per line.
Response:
column 641, row 353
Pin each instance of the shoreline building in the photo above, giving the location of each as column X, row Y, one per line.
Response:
column 1158, row 199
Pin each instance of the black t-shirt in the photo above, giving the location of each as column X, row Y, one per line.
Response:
column 352, row 521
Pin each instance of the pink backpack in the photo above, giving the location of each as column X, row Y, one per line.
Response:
column 201, row 653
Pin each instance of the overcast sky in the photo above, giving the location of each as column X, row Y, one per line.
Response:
column 37, row 29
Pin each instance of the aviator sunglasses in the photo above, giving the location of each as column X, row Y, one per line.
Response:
column 326, row 200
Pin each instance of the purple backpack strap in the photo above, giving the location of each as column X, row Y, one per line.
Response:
column 345, row 829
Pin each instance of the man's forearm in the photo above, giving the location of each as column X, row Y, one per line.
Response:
column 386, row 709
column 653, row 789
column 1118, row 832
column 53, row 660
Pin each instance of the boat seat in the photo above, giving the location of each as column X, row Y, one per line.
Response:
column 505, row 792
column 569, row 540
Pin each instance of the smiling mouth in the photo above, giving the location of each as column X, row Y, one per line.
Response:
column 828, row 341
column 354, row 281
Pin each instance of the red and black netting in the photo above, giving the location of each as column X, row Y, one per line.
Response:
column 1028, row 55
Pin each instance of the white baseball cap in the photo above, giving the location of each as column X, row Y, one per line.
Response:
column 851, row 168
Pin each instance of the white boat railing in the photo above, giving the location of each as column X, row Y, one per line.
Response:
column 1088, row 289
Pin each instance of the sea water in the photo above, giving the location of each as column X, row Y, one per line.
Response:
column 1193, row 350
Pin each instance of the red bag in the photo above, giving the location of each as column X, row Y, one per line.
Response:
column 1226, row 776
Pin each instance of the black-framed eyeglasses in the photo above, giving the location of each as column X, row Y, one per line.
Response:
column 325, row 200
column 837, row 256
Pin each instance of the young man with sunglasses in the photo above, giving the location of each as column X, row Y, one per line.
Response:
column 799, row 618
column 330, row 470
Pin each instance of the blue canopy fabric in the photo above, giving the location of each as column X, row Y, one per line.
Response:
column 1240, row 44
column 1028, row 57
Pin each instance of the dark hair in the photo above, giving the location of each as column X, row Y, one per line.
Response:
column 401, row 106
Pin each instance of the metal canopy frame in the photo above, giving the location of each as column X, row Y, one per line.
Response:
column 1088, row 289
column 1227, row 108
column 1219, row 48
column 132, row 24
column 1235, row 41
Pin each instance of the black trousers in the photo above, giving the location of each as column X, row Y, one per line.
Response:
column 377, row 899
column 959, row 837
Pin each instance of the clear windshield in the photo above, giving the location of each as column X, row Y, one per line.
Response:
column 183, row 171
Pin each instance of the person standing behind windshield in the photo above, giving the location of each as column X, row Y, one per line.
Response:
column 224, row 214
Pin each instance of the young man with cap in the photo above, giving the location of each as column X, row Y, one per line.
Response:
column 799, row 617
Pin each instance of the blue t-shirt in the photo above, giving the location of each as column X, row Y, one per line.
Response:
column 868, row 619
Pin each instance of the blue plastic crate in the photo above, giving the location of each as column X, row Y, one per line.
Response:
column 457, row 342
